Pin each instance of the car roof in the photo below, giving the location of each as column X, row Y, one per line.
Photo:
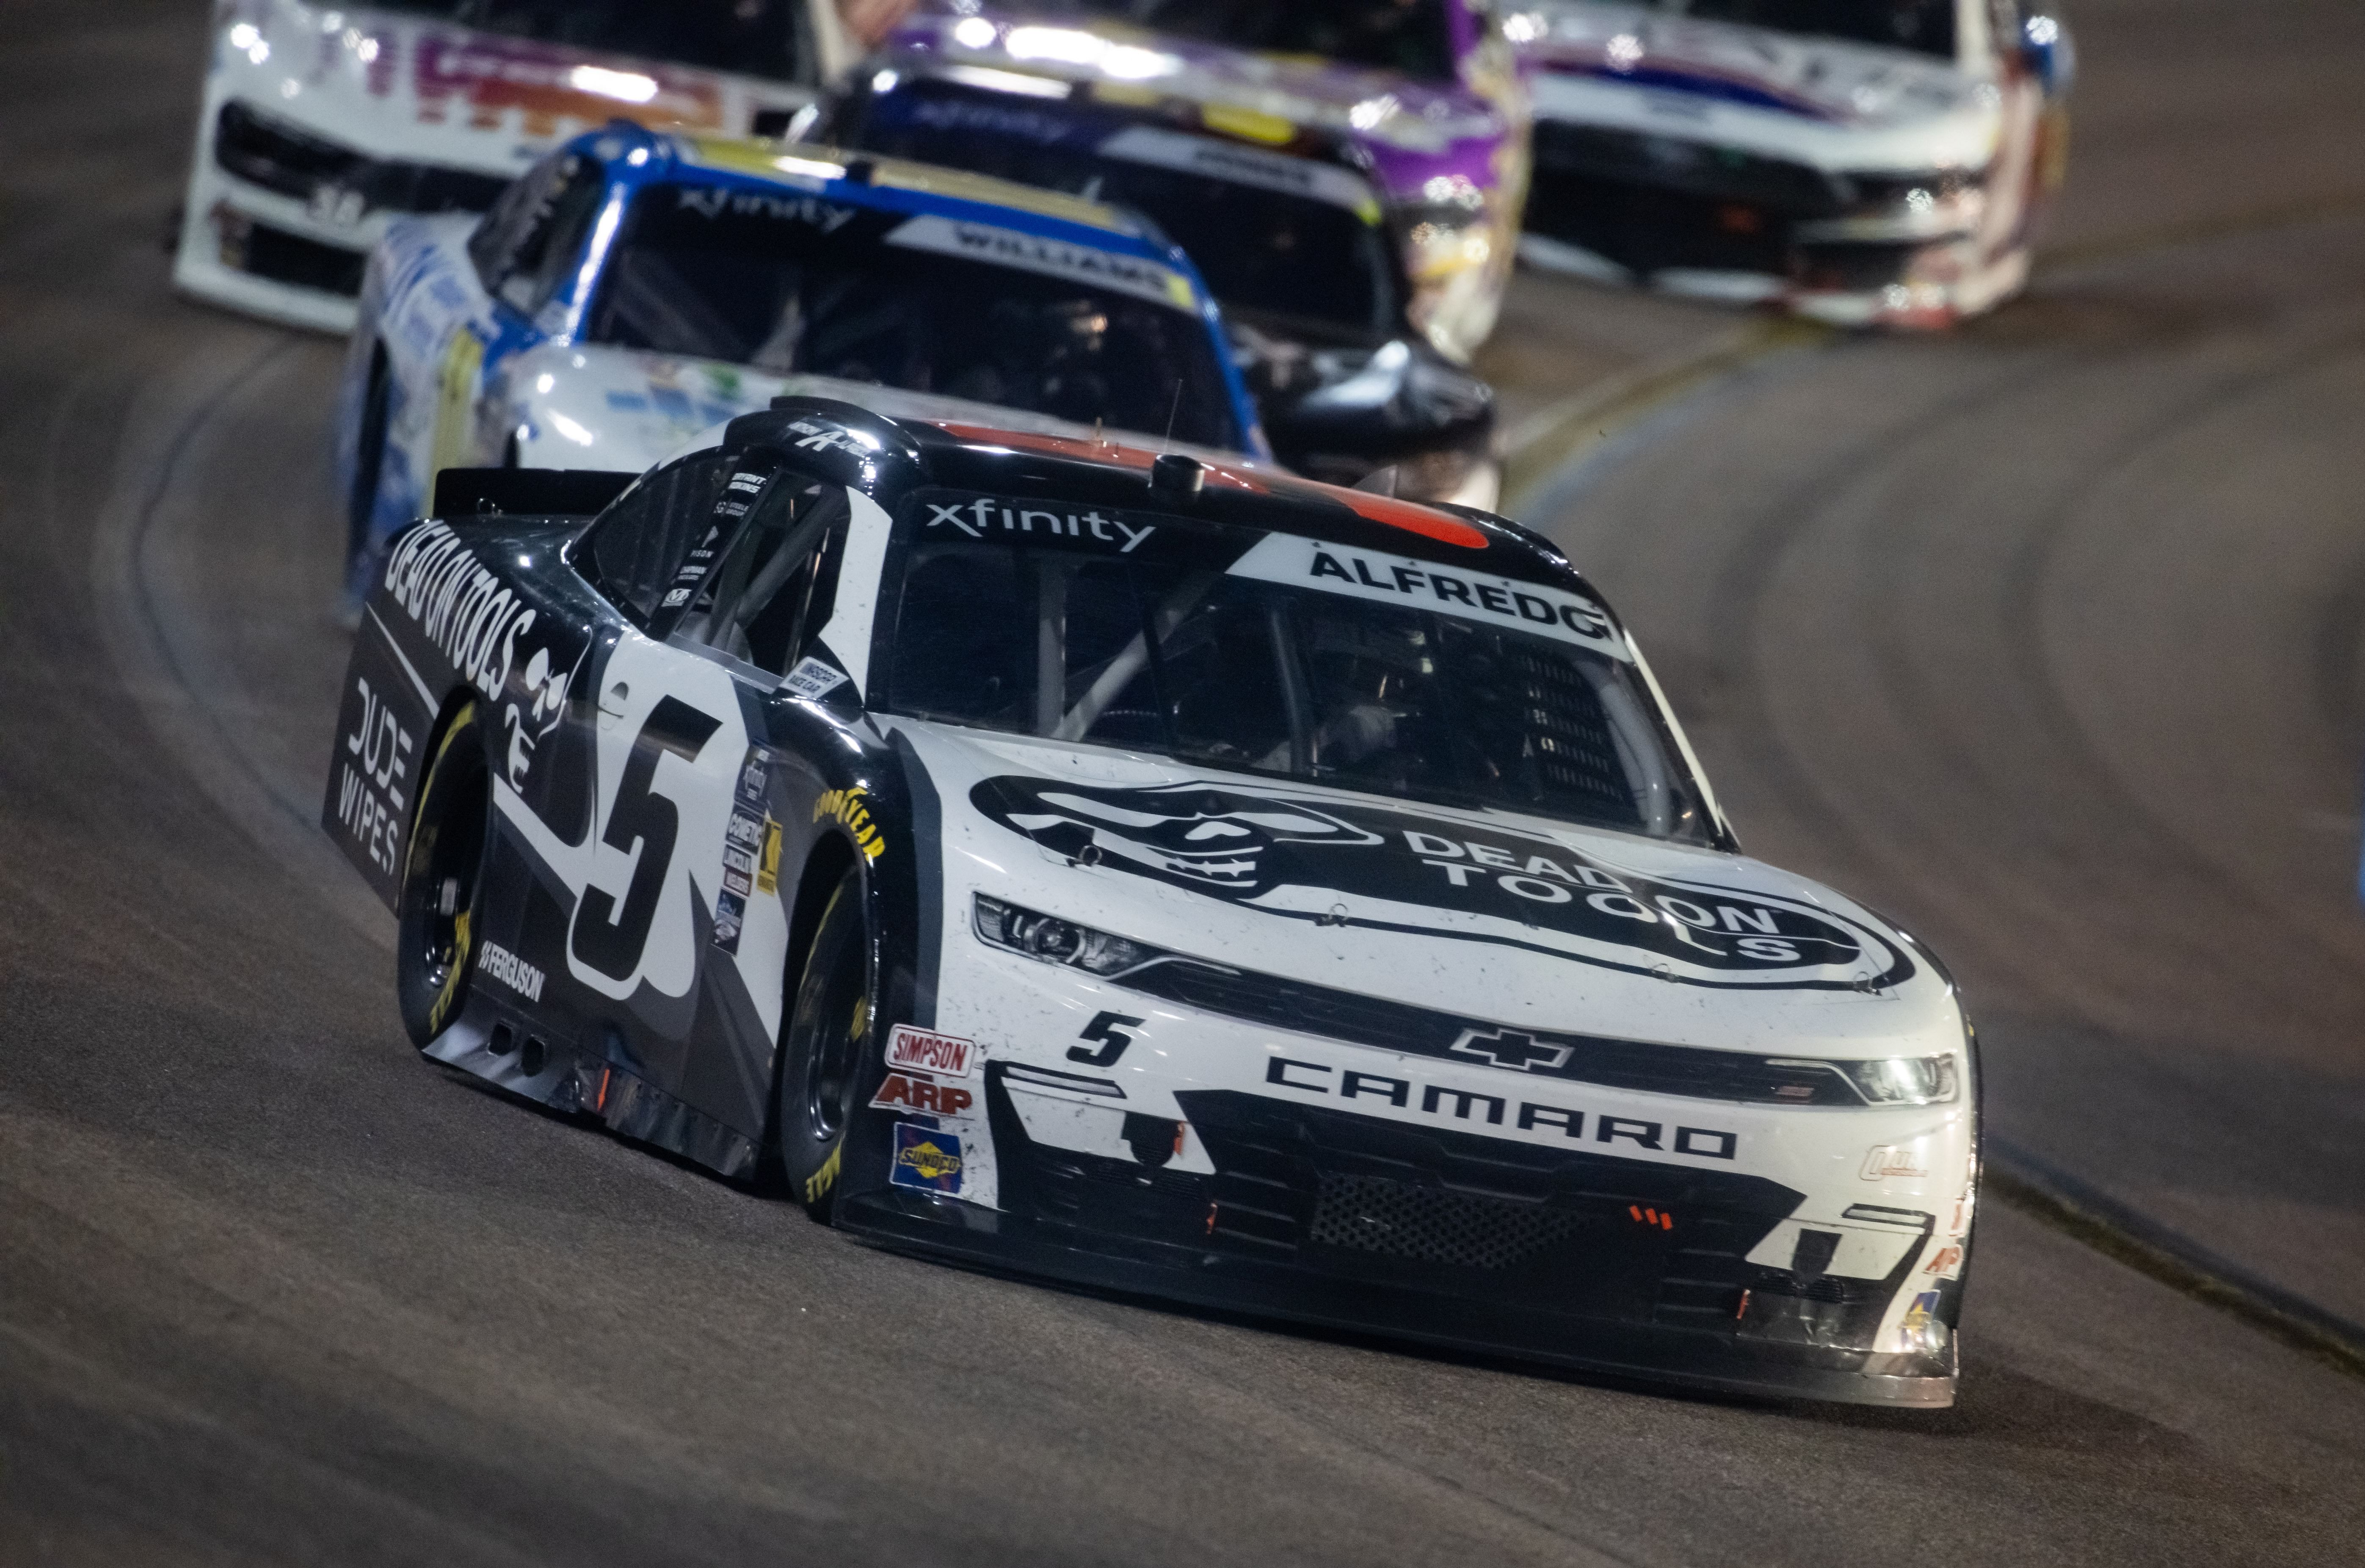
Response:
column 796, row 165
column 1241, row 491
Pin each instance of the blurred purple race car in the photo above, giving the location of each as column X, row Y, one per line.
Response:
column 1348, row 175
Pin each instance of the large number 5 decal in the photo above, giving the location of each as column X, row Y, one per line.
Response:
column 605, row 938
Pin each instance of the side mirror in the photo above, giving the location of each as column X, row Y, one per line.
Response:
column 2045, row 45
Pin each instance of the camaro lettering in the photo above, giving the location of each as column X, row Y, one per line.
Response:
column 1450, row 1105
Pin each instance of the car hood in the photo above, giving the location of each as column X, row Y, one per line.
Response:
column 396, row 85
column 626, row 410
column 1413, row 131
column 1834, row 103
column 1491, row 915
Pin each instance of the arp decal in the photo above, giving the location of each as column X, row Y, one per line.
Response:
column 1293, row 857
column 915, row 1094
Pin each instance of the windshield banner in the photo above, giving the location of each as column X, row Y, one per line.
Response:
column 1228, row 160
column 1121, row 274
column 1565, row 617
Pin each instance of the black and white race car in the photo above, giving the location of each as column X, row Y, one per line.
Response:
column 1167, row 876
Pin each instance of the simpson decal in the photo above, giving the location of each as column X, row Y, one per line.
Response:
column 1294, row 858
column 946, row 1056
column 1564, row 616
column 1120, row 274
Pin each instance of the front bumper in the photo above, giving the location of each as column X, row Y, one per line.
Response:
column 1569, row 1258
column 1714, row 223
column 1696, row 1358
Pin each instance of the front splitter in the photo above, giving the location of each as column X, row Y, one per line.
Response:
column 1691, row 1358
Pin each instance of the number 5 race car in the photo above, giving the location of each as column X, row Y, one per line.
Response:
column 1164, row 876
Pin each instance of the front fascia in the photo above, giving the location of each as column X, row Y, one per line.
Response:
column 1070, row 1068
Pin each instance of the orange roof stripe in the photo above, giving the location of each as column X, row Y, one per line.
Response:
column 1410, row 516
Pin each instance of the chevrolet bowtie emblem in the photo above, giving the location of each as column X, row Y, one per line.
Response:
column 1511, row 1048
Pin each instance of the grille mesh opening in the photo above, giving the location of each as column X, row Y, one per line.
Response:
column 1374, row 1213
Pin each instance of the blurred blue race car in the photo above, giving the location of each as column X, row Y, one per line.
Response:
column 635, row 288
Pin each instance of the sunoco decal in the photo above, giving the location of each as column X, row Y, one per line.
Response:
column 1391, row 870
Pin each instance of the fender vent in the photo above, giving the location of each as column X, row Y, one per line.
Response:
column 1436, row 1225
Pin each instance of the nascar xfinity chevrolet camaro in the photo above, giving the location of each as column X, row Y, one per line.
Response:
column 1169, row 876
column 638, row 287
column 1862, row 162
column 322, row 122
column 1347, row 174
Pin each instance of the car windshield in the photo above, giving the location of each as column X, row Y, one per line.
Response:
column 753, row 37
column 791, row 283
column 1926, row 27
column 1293, row 244
column 1245, row 669
column 1407, row 36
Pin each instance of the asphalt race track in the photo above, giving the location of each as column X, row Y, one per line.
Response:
column 2044, row 637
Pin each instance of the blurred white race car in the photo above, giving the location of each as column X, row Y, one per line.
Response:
column 1861, row 162
column 323, row 123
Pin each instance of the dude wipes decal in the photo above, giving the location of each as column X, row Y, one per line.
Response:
column 1383, row 870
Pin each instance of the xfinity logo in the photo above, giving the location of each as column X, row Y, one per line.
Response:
column 977, row 518
column 1438, row 1103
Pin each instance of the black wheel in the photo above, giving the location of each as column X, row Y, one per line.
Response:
column 443, row 880
column 369, row 461
column 822, row 1050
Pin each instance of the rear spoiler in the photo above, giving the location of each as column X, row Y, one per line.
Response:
column 525, row 492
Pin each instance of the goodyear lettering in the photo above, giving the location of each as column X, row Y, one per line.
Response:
column 849, row 809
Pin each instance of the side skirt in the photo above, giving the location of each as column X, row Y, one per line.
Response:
column 516, row 1052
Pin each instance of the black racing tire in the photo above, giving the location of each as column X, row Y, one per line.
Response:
column 444, row 881
column 369, row 460
column 823, row 1050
